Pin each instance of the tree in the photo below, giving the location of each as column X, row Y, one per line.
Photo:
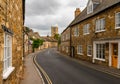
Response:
column 56, row 36
column 36, row 43
column 27, row 29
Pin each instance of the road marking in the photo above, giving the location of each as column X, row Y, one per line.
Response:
column 38, row 72
column 43, row 71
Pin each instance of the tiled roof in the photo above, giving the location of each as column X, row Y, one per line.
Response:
column 102, row 6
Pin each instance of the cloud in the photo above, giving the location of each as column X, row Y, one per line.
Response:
column 42, row 14
column 41, row 7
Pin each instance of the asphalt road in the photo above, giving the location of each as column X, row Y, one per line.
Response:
column 62, row 70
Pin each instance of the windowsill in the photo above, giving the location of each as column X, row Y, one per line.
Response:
column 100, row 59
column 86, row 33
column 99, row 31
column 117, row 27
column 9, row 71
column 79, row 53
column 89, row 55
column 76, row 36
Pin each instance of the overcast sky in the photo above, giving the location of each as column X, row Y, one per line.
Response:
column 42, row 14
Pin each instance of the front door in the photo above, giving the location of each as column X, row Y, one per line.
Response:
column 115, row 55
column 72, row 51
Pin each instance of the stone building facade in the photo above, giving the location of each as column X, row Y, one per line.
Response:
column 11, row 41
column 65, row 42
column 95, row 33
column 26, row 41
column 49, row 42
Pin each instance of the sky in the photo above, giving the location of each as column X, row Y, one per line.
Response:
column 42, row 14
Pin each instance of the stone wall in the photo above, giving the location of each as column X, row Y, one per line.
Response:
column 11, row 16
column 65, row 42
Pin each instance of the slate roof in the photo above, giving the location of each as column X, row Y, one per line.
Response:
column 101, row 7
column 36, row 34
column 49, row 39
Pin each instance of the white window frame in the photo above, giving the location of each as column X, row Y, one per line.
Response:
column 76, row 31
column 89, row 49
column 80, row 49
column 117, row 21
column 90, row 9
column 7, row 70
column 100, row 55
column 63, row 48
column 66, row 49
column 100, row 25
column 86, row 29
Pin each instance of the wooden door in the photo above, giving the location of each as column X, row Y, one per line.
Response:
column 115, row 55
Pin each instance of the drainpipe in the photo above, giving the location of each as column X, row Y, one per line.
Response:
column 70, row 42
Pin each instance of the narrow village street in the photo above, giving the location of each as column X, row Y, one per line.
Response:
column 59, row 41
column 58, row 69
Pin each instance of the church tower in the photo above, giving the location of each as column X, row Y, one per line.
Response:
column 54, row 30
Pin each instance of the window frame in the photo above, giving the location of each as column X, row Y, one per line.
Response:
column 7, row 60
column 80, row 49
column 76, row 31
column 67, row 49
column 99, row 53
column 86, row 29
column 100, row 25
column 116, row 18
column 89, row 50
column 90, row 9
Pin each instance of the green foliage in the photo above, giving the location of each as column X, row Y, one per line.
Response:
column 31, row 38
column 36, row 43
column 56, row 36
column 27, row 29
column 59, row 40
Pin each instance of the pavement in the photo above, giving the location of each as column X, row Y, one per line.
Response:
column 65, row 70
column 105, row 69
column 31, row 74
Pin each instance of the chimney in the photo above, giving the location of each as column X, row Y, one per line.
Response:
column 77, row 12
column 101, row 1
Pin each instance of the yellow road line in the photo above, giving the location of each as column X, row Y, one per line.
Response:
column 44, row 73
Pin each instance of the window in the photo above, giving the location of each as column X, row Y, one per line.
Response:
column 7, row 56
column 63, row 48
column 90, row 9
column 86, row 29
column 66, row 49
column 117, row 19
column 100, row 25
column 67, row 36
column 89, row 50
column 63, row 38
column 100, row 51
column 76, row 31
column 79, row 49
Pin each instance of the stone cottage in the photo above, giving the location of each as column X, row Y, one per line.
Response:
column 95, row 33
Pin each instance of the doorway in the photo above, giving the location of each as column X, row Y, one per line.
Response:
column 114, row 51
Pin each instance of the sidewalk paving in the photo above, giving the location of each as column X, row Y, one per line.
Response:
column 31, row 75
column 106, row 69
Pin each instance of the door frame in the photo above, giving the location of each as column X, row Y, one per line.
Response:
column 110, row 53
